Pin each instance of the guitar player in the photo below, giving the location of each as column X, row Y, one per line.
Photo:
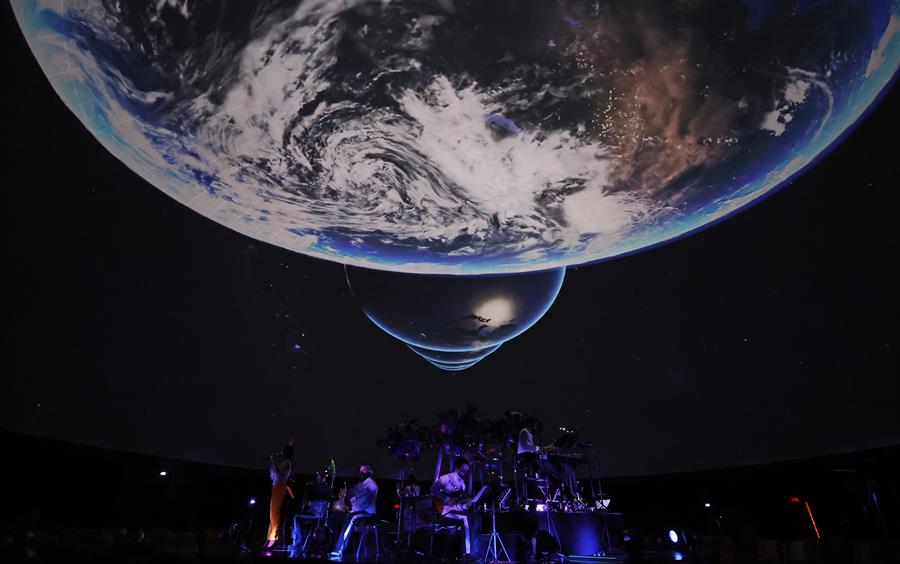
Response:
column 448, row 493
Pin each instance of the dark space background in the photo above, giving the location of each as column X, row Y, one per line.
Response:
column 134, row 323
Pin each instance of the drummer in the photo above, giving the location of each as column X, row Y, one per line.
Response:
column 526, row 444
column 411, row 489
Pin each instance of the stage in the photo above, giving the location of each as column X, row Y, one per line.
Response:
column 213, row 514
column 523, row 535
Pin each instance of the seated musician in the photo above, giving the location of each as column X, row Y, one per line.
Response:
column 316, row 497
column 362, row 504
column 317, row 493
column 447, row 492
column 410, row 487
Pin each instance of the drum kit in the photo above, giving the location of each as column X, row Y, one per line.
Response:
column 534, row 480
column 544, row 480
column 541, row 480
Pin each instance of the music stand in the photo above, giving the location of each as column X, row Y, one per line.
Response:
column 404, row 455
column 495, row 543
column 601, row 506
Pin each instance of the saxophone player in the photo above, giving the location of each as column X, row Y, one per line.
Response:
column 362, row 504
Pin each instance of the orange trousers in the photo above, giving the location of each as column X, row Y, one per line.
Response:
column 278, row 493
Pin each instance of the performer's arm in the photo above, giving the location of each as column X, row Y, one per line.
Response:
column 437, row 490
column 354, row 492
column 304, row 503
column 289, row 449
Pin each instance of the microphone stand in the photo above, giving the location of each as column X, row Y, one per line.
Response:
column 401, row 515
column 605, row 533
column 494, row 541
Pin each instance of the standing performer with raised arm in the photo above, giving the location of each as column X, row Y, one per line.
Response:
column 281, row 466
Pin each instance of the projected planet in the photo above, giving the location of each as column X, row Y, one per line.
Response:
column 466, row 137
column 453, row 322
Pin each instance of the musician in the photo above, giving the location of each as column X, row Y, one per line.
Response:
column 408, row 491
column 531, row 459
column 526, row 442
column 410, row 487
column 362, row 504
column 536, row 463
column 316, row 497
column 448, row 489
column 281, row 467
column 317, row 493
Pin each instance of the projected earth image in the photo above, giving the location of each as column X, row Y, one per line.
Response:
column 453, row 322
column 466, row 137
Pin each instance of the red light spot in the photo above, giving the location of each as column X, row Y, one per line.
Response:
column 795, row 499
column 815, row 528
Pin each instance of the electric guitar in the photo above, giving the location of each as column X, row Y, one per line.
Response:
column 458, row 501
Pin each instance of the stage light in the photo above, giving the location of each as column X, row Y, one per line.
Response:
column 677, row 556
column 540, row 507
column 252, row 501
column 795, row 499
column 673, row 536
column 812, row 520
column 163, row 473
column 706, row 505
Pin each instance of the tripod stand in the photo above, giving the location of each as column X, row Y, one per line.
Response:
column 495, row 543
column 406, row 511
column 599, row 505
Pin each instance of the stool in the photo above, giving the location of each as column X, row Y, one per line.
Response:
column 440, row 522
column 364, row 526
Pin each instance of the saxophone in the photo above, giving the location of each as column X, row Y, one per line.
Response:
column 342, row 503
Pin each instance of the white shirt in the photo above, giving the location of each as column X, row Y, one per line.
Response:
column 526, row 442
column 363, row 496
column 448, row 484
